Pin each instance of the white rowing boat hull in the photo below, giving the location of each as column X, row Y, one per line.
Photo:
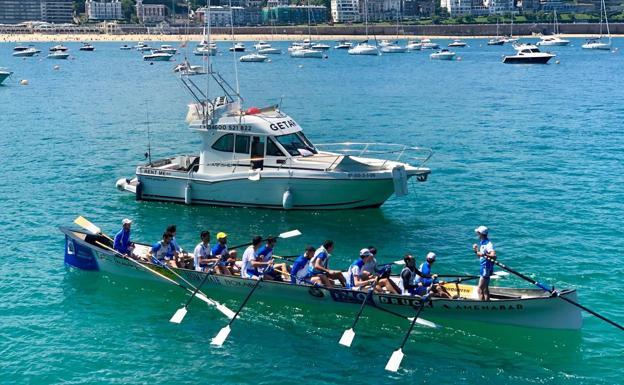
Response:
column 536, row 312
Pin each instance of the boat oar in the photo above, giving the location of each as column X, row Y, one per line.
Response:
column 220, row 338
column 90, row 227
column 222, row 308
column 397, row 356
column 286, row 235
column 554, row 292
column 349, row 334
column 181, row 312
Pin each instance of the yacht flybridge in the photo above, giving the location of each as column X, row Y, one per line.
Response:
column 260, row 157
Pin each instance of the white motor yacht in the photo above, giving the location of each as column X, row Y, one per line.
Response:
column 384, row 42
column 189, row 70
column 4, row 74
column 393, row 48
column 29, row 52
column 457, row 43
column 157, row 55
column 261, row 45
column 428, row 44
column 260, row 157
column 58, row 55
column 320, row 46
column 59, row 48
column 299, row 45
column 167, row 48
column 443, row 54
column 364, row 48
column 205, row 51
column 597, row 44
column 414, row 45
column 528, row 54
column 253, row 58
column 552, row 40
column 269, row 51
column 87, row 47
column 307, row 53
column 238, row 47
column 343, row 44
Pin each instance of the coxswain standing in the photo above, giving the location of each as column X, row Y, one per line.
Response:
column 484, row 250
column 226, row 257
column 318, row 266
column 164, row 252
column 250, row 263
column 202, row 257
column 122, row 241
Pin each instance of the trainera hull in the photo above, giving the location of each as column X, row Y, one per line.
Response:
column 539, row 312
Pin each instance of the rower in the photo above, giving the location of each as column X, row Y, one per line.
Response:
column 318, row 266
column 226, row 257
column 201, row 255
column 483, row 251
column 430, row 281
column 409, row 275
column 373, row 269
column 250, row 263
column 299, row 273
column 122, row 241
column 163, row 251
column 355, row 273
column 265, row 254
column 172, row 229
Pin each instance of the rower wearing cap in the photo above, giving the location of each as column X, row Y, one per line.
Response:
column 226, row 257
column 319, row 266
column 163, row 251
column 122, row 241
column 251, row 265
column 484, row 250
column 201, row 255
column 358, row 279
column 299, row 273
column 429, row 281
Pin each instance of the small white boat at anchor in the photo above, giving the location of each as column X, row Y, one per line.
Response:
column 157, row 55
column 443, row 54
column 260, row 157
column 253, row 58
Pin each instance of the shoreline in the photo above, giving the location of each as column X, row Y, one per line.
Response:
column 43, row 38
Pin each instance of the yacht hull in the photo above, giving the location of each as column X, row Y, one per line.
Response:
column 526, row 60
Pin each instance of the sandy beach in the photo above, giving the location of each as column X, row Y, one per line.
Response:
column 42, row 38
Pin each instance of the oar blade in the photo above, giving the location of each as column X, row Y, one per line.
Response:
column 290, row 234
column 220, row 338
column 395, row 360
column 179, row 315
column 347, row 337
column 425, row 322
column 220, row 307
column 399, row 262
column 87, row 225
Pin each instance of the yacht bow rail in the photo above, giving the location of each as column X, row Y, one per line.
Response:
column 387, row 151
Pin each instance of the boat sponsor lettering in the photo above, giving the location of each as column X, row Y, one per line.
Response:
column 283, row 125
column 229, row 127
column 369, row 175
column 347, row 296
column 501, row 307
column 403, row 301
column 151, row 171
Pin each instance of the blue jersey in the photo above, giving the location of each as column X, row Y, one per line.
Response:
column 321, row 255
column 425, row 268
column 160, row 252
column 299, row 269
column 355, row 270
column 265, row 254
column 122, row 241
column 220, row 251
column 175, row 245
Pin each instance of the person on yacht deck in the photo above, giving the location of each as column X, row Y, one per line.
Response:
column 163, row 251
column 202, row 258
column 251, row 265
column 122, row 242
column 227, row 258
column 429, row 281
column 319, row 266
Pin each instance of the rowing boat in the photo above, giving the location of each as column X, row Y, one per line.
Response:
column 532, row 308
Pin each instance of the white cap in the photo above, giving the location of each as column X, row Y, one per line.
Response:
column 365, row 253
column 482, row 230
column 126, row 221
column 431, row 256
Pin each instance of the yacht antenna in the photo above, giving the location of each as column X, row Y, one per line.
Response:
column 148, row 154
column 234, row 53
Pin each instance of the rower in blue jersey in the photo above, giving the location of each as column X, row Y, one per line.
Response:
column 358, row 279
column 265, row 254
column 484, row 251
column 250, row 263
column 319, row 266
column 163, row 251
column 429, row 281
column 172, row 229
column 227, row 258
column 122, row 241
column 299, row 273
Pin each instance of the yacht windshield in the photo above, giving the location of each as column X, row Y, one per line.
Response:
column 296, row 144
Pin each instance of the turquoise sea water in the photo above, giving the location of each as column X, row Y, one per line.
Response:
column 534, row 152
